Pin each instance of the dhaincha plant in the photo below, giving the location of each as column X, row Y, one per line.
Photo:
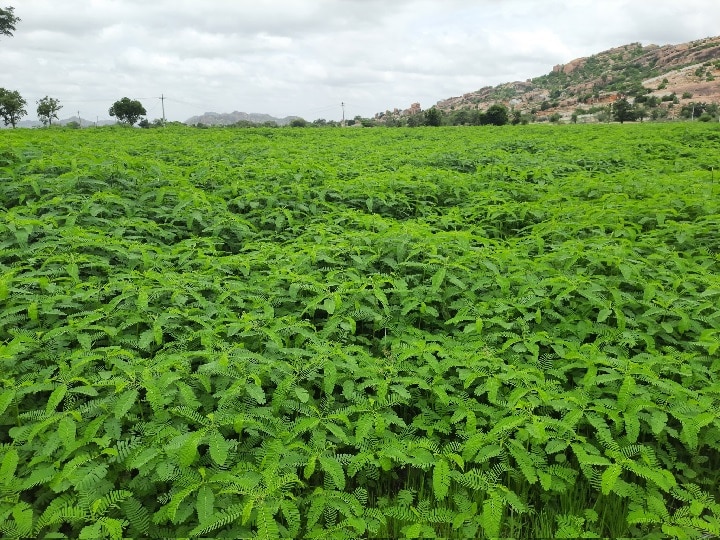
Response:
column 436, row 333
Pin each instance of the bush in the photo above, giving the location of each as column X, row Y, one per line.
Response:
column 496, row 115
column 705, row 117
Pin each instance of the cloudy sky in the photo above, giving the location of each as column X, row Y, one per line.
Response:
column 305, row 57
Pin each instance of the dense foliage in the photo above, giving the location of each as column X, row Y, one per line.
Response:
column 47, row 109
column 12, row 106
column 127, row 110
column 8, row 20
column 360, row 333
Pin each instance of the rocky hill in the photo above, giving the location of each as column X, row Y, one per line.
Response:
column 235, row 117
column 665, row 77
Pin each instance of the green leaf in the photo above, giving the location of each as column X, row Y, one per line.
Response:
column 137, row 514
column 329, row 306
column 188, row 452
column 113, row 498
column 331, row 466
column 441, row 479
column 177, row 499
column 23, row 515
column 689, row 433
column 438, row 279
column 219, row 448
column 143, row 458
column 6, row 399
column 309, row 468
column 632, row 425
column 205, row 503
column 609, row 477
column 146, row 338
column 267, row 528
column 492, row 516
column 55, row 398
column 292, row 516
column 85, row 341
column 626, row 392
column 658, row 421
column 66, row 431
column 8, row 466
column 338, row 431
column 256, row 392
column 157, row 333
column 219, row 519
column 330, row 376
column 302, row 394
column 124, row 403
column 524, row 461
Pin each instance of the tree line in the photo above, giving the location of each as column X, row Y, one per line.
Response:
column 13, row 108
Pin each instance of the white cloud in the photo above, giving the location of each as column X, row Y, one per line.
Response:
column 306, row 56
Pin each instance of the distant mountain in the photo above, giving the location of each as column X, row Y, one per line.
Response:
column 226, row 119
column 82, row 121
column 667, row 77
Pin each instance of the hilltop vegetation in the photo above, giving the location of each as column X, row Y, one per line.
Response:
column 662, row 81
column 307, row 333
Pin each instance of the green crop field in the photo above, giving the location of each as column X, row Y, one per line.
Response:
column 371, row 333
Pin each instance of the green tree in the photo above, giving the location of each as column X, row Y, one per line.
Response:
column 416, row 120
column 127, row 110
column 623, row 110
column 8, row 20
column 496, row 115
column 477, row 118
column 693, row 110
column 458, row 118
column 47, row 109
column 640, row 112
column 433, row 117
column 12, row 106
column 298, row 122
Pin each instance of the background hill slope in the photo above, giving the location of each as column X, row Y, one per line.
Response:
column 672, row 74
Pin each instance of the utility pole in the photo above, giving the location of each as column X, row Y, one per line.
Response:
column 162, row 101
column 342, row 104
column 79, row 119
